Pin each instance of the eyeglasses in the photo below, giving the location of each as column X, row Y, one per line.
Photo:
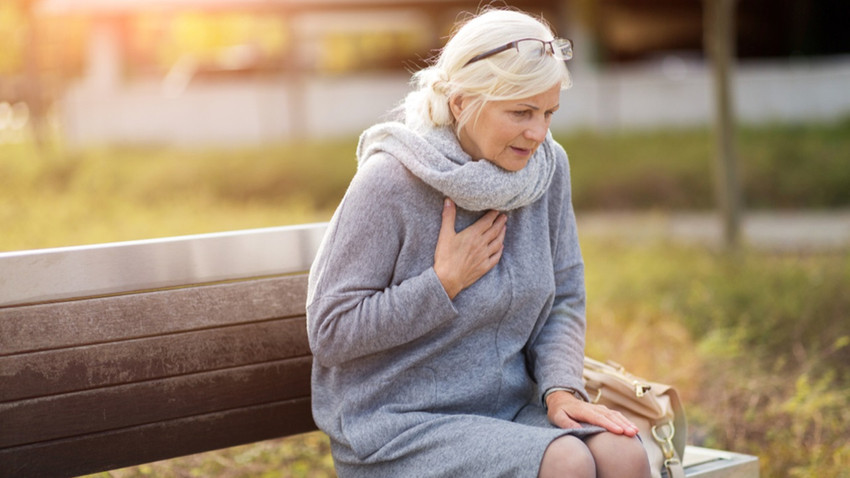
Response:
column 560, row 48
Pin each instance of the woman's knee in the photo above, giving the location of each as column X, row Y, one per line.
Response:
column 619, row 456
column 567, row 456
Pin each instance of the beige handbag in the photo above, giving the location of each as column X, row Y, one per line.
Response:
column 655, row 409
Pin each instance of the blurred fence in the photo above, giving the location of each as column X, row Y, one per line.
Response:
column 670, row 92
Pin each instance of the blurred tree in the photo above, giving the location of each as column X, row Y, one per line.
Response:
column 18, row 19
column 720, row 45
column 236, row 41
column 11, row 19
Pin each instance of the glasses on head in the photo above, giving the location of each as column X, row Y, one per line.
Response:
column 560, row 48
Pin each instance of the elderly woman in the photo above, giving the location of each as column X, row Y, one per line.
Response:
column 446, row 305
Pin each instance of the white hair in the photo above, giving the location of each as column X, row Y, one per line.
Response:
column 496, row 78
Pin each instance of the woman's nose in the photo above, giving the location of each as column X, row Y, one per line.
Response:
column 537, row 132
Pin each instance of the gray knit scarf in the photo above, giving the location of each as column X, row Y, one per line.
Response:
column 437, row 159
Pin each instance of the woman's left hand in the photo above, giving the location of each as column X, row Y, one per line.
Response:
column 566, row 411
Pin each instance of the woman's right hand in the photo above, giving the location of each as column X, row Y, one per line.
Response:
column 464, row 257
column 566, row 411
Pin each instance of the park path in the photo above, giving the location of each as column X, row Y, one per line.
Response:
column 780, row 230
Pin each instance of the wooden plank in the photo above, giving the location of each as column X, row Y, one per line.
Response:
column 81, row 368
column 93, row 321
column 60, row 416
column 158, row 441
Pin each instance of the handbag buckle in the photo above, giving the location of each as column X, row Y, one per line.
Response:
column 640, row 388
column 666, row 441
column 598, row 396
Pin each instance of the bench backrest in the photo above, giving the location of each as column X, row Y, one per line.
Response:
column 147, row 373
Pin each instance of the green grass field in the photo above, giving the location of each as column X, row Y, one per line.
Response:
column 757, row 342
column 64, row 197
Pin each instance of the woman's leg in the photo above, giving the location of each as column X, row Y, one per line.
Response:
column 618, row 456
column 567, row 456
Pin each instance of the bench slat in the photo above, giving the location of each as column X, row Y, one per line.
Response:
column 81, row 368
column 92, row 321
column 111, row 408
column 707, row 463
column 152, row 442
column 68, row 273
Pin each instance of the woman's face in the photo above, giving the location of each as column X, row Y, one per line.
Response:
column 507, row 133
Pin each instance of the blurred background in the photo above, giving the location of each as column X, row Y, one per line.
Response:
column 717, row 245
column 252, row 71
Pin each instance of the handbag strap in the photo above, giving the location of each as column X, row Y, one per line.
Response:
column 674, row 469
column 663, row 434
column 680, row 421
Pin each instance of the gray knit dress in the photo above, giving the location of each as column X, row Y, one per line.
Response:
column 407, row 382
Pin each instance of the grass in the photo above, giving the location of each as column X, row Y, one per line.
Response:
column 107, row 195
column 303, row 456
column 785, row 166
column 64, row 197
column 758, row 342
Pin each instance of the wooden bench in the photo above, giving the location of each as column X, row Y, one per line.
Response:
column 121, row 354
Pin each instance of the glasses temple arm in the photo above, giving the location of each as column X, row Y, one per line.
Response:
column 492, row 52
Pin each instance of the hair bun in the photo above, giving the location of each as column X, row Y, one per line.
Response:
column 436, row 79
column 428, row 104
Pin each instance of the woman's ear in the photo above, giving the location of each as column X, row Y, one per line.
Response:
column 456, row 105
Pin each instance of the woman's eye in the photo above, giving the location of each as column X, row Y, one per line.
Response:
column 520, row 114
